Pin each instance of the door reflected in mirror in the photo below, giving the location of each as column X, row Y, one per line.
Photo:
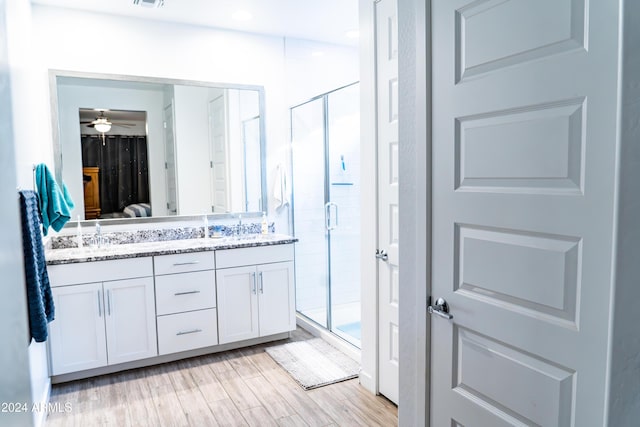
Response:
column 167, row 147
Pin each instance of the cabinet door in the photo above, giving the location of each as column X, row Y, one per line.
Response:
column 237, row 304
column 276, row 298
column 77, row 336
column 130, row 320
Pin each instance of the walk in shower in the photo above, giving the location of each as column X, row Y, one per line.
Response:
column 325, row 135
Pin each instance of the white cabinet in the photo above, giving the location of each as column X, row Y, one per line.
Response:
column 130, row 320
column 117, row 311
column 105, row 322
column 77, row 336
column 255, row 300
column 276, row 298
column 186, row 301
column 238, row 304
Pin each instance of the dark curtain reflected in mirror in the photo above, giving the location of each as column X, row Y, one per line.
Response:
column 123, row 170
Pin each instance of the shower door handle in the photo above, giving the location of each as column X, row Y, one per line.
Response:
column 327, row 216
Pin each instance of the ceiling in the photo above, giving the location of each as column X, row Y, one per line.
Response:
column 321, row 20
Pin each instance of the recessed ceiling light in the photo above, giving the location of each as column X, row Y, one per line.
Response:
column 352, row 34
column 149, row 3
column 317, row 53
column 242, row 15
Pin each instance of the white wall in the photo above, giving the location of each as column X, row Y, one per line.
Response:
column 72, row 97
column 15, row 384
column 192, row 140
column 66, row 40
column 314, row 68
column 32, row 128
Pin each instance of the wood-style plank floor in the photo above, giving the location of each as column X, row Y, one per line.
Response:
column 243, row 387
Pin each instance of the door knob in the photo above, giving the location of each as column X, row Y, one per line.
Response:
column 441, row 308
column 381, row 254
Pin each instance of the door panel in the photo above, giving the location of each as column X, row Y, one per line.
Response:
column 343, row 127
column 170, row 161
column 308, row 145
column 523, row 166
column 276, row 303
column 237, row 304
column 219, row 154
column 388, row 278
column 130, row 320
column 78, row 339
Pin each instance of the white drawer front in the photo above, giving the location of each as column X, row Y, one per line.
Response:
column 181, row 263
column 176, row 293
column 187, row 331
column 99, row 271
column 256, row 255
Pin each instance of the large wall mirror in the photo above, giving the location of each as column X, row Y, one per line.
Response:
column 135, row 147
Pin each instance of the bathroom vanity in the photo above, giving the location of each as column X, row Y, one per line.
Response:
column 139, row 304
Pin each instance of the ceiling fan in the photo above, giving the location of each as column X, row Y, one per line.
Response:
column 102, row 123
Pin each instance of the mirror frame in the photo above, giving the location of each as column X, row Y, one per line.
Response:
column 57, row 146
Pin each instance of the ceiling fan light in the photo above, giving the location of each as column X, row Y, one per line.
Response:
column 102, row 125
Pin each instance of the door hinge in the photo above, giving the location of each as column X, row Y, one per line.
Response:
column 211, row 164
column 168, row 205
column 166, row 165
column 164, row 124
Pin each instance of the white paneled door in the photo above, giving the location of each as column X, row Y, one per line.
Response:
column 524, row 125
column 219, row 154
column 170, row 160
column 387, row 122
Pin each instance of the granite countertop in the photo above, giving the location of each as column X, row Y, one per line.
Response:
column 169, row 247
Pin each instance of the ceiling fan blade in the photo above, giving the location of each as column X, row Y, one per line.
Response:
column 126, row 125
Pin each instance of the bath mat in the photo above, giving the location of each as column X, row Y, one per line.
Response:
column 314, row 363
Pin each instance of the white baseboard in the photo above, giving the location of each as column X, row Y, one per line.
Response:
column 40, row 417
column 367, row 381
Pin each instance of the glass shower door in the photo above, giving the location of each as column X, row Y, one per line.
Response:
column 343, row 127
column 326, row 214
column 308, row 145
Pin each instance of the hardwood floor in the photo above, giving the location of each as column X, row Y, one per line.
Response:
column 243, row 387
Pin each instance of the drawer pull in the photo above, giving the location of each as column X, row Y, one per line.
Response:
column 193, row 331
column 177, row 264
column 186, row 293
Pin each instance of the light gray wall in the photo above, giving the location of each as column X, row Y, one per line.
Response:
column 624, row 398
column 15, row 379
column 414, row 182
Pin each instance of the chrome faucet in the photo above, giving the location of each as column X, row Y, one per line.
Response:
column 238, row 228
column 98, row 240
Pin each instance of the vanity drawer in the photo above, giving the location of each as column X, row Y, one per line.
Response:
column 256, row 255
column 99, row 271
column 187, row 331
column 176, row 293
column 181, row 263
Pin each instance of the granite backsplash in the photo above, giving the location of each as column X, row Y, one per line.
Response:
column 69, row 241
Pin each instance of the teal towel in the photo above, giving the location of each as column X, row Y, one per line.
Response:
column 55, row 205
